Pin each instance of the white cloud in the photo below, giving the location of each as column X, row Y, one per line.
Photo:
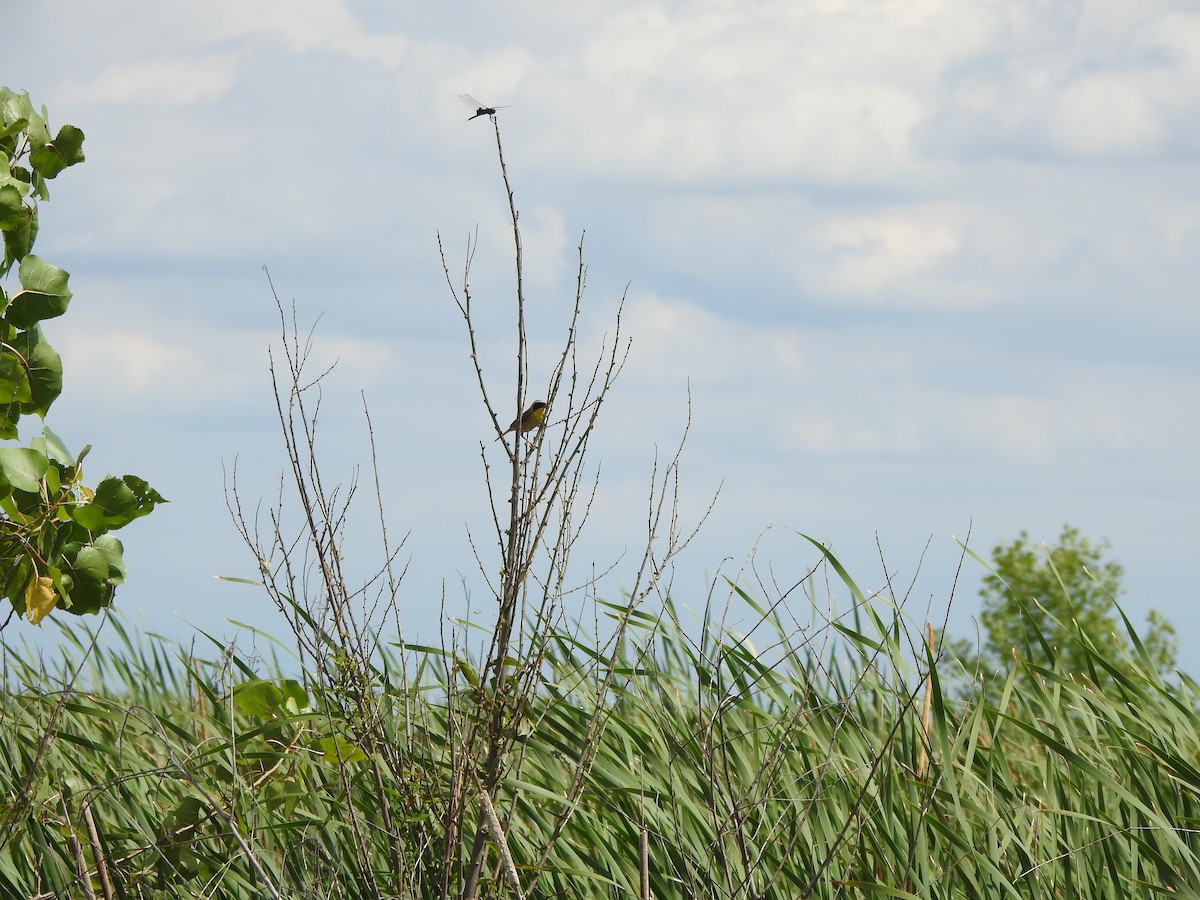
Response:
column 1114, row 84
column 880, row 255
column 160, row 83
column 861, row 392
column 192, row 366
column 1106, row 116
column 201, row 46
column 544, row 245
column 491, row 76
column 927, row 423
column 753, row 92
column 1071, row 423
column 899, row 248
column 303, row 26
column 1177, row 222
column 824, row 95
column 823, row 432
column 677, row 339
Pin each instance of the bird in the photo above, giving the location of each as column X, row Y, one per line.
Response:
column 530, row 419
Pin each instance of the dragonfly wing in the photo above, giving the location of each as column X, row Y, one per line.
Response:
column 470, row 101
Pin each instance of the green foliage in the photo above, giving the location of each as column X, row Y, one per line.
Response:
column 1055, row 608
column 798, row 777
column 55, row 547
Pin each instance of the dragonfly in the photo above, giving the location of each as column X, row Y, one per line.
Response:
column 480, row 109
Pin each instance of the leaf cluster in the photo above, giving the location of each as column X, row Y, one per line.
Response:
column 29, row 157
column 1055, row 607
column 55, row 545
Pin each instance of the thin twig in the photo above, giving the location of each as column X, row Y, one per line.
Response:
column 926, row 709
column 501, row 841
column 643, row 863
column 97, row 852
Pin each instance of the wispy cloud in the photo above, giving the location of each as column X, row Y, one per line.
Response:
column 897, row 250
column 154, row 83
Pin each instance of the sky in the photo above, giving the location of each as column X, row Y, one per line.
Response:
column 923, row 268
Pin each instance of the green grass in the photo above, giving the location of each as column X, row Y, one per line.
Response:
column 797, row 777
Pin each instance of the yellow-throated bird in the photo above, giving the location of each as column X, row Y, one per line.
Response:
column 530, row 419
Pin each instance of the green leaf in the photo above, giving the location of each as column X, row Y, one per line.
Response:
column 20, row 107
column 11, row 175
column 92, row 576
column 258, row 698
column 53, row 486
column 54, row 448
column 114, row 552
column 38, row 275
column 187, row 812
column 337, row 749
column 855, row 592
column 117, row 502
column 19, row 238
column 90, row 564
column 146, row 496
column 8, row 128
column 16, row 111
column 23, row 468
column 30, row 307
column 295, row 698
column 65, row 150
column 46, row 294
column 43, row 370
column 11, row 207
column 14, row 385
column 19, row 570
column 10, row 415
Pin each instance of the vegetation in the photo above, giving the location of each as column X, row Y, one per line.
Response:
column 650, row 757
column 57, row 549
column 177, row 776
column 1056, row 607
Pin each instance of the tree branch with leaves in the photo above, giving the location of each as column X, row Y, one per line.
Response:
column 57, row 549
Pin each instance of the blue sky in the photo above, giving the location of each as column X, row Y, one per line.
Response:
column 926, row 267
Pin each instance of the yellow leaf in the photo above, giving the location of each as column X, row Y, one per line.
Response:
column 40, row 599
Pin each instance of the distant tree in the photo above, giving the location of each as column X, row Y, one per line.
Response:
column 1056, row 607
column 57, row 550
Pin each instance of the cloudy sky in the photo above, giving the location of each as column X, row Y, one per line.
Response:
column 927, row 267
